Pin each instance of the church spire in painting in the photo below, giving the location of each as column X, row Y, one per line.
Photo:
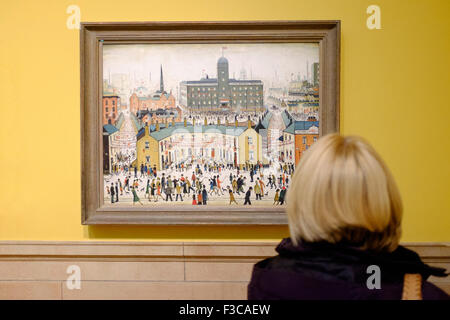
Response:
column 161, row 82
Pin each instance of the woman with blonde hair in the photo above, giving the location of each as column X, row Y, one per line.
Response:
column 344, row 211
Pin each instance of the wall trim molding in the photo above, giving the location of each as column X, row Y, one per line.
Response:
column 176, row 249
column 149, row 269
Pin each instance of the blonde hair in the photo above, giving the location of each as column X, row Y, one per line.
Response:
column 342, row 191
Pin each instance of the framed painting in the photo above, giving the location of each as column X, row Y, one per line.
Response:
column 201, row 122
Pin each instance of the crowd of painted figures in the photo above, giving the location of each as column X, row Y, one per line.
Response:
column 199, row 183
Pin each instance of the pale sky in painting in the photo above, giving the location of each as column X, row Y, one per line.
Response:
column 274, row 63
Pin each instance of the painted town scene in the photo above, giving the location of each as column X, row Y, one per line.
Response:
column 206, row 124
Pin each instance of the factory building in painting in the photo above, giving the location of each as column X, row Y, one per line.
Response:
column 222, row 93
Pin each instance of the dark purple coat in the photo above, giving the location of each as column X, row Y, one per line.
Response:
column 326, row 271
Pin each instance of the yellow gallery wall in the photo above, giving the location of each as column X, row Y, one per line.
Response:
column 394, row 92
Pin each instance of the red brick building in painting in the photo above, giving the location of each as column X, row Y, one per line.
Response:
column 158, row 100
column 152, row 102
column 297, row 138
column 110, row 109
column 304, row 140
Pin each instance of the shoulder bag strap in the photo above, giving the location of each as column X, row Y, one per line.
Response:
column 412, row 287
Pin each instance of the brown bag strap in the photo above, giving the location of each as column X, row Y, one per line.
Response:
column 412, row 287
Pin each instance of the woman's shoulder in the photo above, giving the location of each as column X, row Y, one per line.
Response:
column 432, row 292
column 330, row 272
column 282, row 278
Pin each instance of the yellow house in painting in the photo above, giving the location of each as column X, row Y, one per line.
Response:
column 147, row 148
column 249, row 146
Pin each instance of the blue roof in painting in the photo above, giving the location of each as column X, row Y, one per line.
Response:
column 109, row 128
column 266, row 119
column 201, row 81
column 305, row 125
column 136, row 123
column 300, row 125
column 119, row 121
column 290, row 129
column 179, row 126
column 311, row 104
column 245, row 81
column 287, row 118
